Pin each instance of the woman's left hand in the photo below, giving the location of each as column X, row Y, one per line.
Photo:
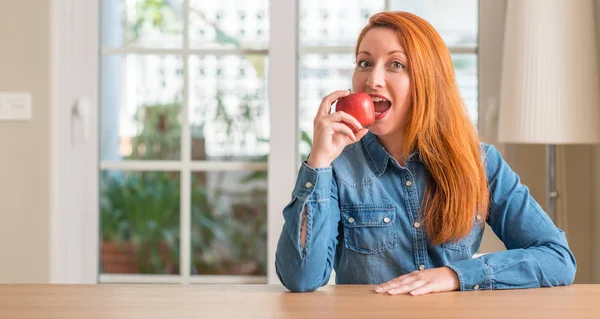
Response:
column 422, row 282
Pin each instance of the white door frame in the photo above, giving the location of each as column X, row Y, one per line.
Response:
column 74, row 157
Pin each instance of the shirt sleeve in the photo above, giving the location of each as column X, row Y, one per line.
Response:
column 306, row 269
column 537, row 252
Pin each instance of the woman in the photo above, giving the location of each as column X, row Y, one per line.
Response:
column 402, row 203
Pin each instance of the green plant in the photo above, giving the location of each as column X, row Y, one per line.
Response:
column 241, row 204
column 142, row 208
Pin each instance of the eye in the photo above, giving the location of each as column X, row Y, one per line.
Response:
column 364, row 64
column 397, row 65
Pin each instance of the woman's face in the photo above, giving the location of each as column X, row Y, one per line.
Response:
column 382, row 72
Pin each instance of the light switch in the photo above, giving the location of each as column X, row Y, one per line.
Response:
column 15, row 106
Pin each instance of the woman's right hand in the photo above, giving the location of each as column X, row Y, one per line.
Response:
column 331, row 135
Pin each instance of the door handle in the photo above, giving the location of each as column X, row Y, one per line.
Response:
column 82, row 109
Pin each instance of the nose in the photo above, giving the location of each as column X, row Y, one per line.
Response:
column 376, row 79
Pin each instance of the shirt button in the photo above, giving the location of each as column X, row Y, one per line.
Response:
column 386, row 220
column 422, row 267
column 408, row 183
column 308, row 185
column 417, row 224
column 476, row 287
column 351, row 220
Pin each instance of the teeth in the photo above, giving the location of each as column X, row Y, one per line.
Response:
column 378, row 99
column 377, row 113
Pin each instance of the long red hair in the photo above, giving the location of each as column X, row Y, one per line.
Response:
column 438, row 126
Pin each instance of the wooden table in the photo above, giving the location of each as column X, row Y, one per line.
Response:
column 262, row 301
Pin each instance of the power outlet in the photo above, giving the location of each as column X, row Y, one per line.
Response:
column 15, row 106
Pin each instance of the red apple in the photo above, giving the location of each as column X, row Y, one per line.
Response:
column 360, row 106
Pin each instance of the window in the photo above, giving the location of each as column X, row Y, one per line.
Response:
column 184, row 140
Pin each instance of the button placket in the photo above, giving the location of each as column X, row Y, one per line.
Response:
column 413, row 209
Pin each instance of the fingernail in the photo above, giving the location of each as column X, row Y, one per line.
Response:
column 379, row 289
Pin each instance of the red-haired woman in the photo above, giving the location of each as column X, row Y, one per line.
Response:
column 403, row 203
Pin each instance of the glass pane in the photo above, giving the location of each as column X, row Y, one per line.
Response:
column 142, row 23
column 229, row 223
column 140, row 107
column 456, row 21
column 229, row 115
column 320, row 74
column 465, row 67
column 139, row 215
column 229, row 24
column 335, row 22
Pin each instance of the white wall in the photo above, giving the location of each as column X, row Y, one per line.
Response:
column 24, row 146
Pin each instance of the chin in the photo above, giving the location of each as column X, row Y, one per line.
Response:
column 381, row 129
column 377, row 130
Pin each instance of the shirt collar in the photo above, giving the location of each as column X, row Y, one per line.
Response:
column 377, row 156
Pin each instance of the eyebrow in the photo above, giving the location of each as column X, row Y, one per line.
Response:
column 389, row 53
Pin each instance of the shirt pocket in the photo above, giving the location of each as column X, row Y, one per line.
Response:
column 369, row 229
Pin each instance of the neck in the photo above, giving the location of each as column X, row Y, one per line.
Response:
column 393, row 145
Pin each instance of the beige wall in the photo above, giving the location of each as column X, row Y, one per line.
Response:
column 24, row 146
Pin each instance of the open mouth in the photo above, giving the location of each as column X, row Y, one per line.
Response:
column 382, row 106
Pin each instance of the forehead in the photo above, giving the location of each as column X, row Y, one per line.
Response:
column 381, row 39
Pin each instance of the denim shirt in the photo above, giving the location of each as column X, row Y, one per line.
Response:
column 364, row 220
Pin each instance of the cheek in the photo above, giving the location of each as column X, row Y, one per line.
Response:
column 358, row 83
column 402, row 91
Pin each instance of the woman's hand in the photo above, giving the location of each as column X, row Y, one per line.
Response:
column 331, row 135
column 422, row 282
